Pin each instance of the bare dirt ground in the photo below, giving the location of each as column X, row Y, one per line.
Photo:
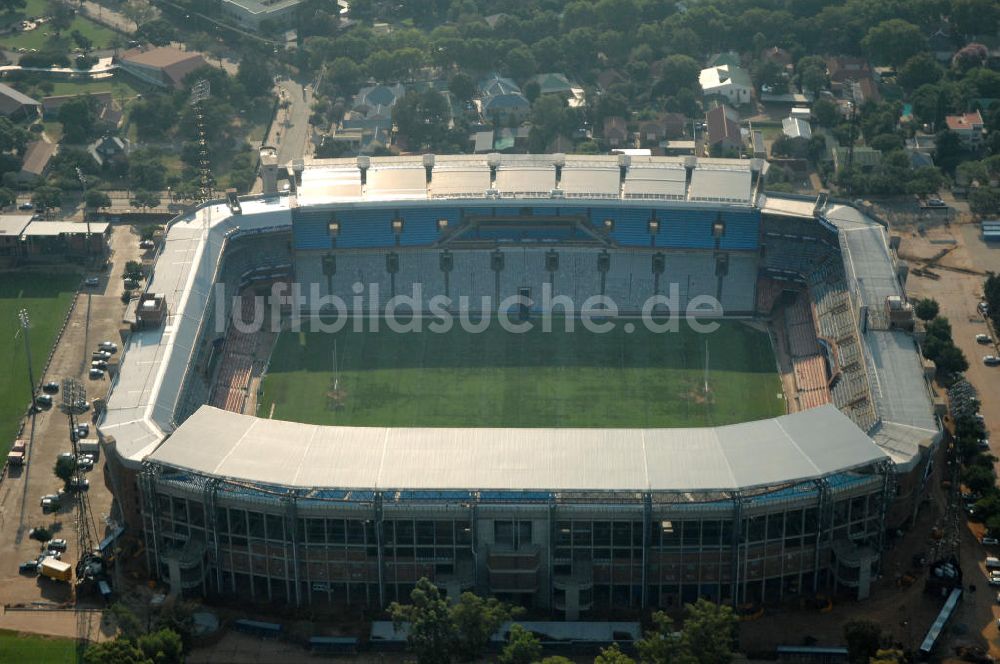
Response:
column 95, row 318
column 958, row 291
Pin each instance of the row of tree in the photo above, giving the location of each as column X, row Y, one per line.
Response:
column 440, row 632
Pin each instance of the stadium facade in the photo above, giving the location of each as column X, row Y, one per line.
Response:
column 579, row 521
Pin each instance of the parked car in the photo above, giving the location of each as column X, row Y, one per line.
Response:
column 85, row 464
column 92, row 282
column 983, row 308
column 108, row 347
column 147, row 244
column 991, row 360
column 50, row 387
column 44, row 400
column 990, row 541
column 26, row 206
column 984, row 443
column 96, row 374
column 79, row 484
column 28, row 566
column 56, row 545
column 82, row 430
column 983, row 339
column 99, row 364
column 935, row 202
column 49, row 505
column 99, row 355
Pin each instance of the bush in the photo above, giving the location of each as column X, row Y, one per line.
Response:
column 42, row 534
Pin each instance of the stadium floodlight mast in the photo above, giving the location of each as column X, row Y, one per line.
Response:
column 201, row 91
column 83, row 183
column 25, row 321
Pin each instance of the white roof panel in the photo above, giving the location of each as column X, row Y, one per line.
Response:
column 720, row 185
column 791, row 448
column 519, row 180
column 391, row 183
column 586, row 181
column 650, row 182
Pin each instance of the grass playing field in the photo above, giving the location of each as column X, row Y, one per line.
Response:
column 16, row 647
column 498, row 379
column 46, row 298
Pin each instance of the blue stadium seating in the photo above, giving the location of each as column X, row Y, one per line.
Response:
column 363, row 229
column 310, row 228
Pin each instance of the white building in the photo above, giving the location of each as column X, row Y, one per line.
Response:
column 727, row 81
column 250, row 14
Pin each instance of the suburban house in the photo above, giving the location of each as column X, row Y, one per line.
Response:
column 968, row 126
column 36, row 160
column 615, row 131
column 661, row 128
column 846, row 68
column 724, row 136
column 164, row 66
column 106, row 150
column 941, row 43
column 16, row 104
column 501, row 98
column 728, row 81
column 105, row 107
column 249, row 14
column 377, row 101
column 554, row 84
column 865, row 158
column 796, row 128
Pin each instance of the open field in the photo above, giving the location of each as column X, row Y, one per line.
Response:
column 46, row 298
column 537, row 379
column 16, row 647
column 98, row 34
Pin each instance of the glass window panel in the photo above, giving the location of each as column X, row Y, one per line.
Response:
column 602, row 533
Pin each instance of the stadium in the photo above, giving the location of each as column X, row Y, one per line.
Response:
column 577, row 472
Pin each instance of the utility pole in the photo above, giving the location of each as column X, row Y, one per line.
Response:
column 25, row 327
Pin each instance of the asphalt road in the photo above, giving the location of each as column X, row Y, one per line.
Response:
column 291, row 128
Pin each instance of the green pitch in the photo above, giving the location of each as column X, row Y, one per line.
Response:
column 46, row 297
column 499, row 379
column 16, row 647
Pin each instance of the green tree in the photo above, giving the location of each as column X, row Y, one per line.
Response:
column 664, row 644
column 146, row 171
column 65, row 469
column 556, row 659
column 863, row 638
column 255, row 75
column 974, row 16
column 709, row 631
column 985, row 201
column 10, row 6
column 96, row 199
column 521, row 63
column 979, row 478
column 79, row 119
column 162, row 647
column 421, row 117
column 613, row 655
column 60, row 15
column 116, row 651
column 951, row 360
column 158, row 32
column 921, row 69
column 811, row 71
column 677, row 72
column 431, row 635
column 893, row 42
column 462, row 86
column 522, row 647
column 926, row 309
column 145, row 199
column 948, row 150
column 46, row 197
column 476, row 620
column 7, row 197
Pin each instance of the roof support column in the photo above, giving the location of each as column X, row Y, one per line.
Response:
column 150, row 507
column 887, row 468
column 379, row 543
column 737, row 499
column 821, row 525
column 292, row 535
column 647, row 524
column 210, row 500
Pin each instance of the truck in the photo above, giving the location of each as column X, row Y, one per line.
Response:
column 56, row 569
column 88, row 446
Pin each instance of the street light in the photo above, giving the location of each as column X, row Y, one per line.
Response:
column 22, row 317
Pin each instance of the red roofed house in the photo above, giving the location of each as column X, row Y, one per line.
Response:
column 724, row 137
column 969, row 128
column 163, row 66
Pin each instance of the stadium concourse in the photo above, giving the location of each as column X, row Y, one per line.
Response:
column 578, row 522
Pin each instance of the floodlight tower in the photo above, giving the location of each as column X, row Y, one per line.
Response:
column 74, row 402
column 201, row 91
column 22, row 317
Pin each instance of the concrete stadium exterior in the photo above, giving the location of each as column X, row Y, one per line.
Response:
column 580, row 522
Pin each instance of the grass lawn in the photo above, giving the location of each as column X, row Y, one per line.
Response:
column 46, row 297
column 96, row 33
column 538, row 379
column 118, row 86
column 15, row 647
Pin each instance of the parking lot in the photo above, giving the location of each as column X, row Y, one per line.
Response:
column 95, row 318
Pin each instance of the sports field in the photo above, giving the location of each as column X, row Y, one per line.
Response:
column 16, row 647
column 46, row 297
column 537, row 379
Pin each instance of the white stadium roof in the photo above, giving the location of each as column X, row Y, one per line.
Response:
column 153, row 365
column 795, row 447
